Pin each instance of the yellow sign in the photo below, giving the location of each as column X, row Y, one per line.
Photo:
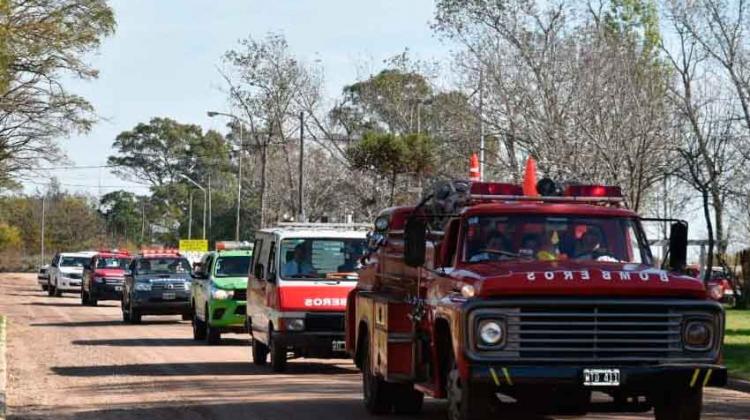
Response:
column 193, row 245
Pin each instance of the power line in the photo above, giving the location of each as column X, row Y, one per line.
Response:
column 87, row 185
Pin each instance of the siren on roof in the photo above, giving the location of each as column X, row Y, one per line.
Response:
column 594, row 191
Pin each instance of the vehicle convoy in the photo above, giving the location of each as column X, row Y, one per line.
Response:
column 297, row 290
column 481, row 290
column 66, row 272
column 219, row 292
column 157, row 282
column 103, row 277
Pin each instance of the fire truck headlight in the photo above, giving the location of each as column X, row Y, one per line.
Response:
column 294, row 324
column 698, row 335
column 468, row 291
column 491, row 332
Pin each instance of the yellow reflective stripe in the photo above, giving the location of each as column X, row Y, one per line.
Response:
column 708, row 376
column 507, row 376
column 695, row 377
column 494, row 376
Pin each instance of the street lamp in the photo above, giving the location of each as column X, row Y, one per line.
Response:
column 205, row 200
column 212, row 114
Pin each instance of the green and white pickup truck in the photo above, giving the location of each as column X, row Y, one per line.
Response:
column 218, row 296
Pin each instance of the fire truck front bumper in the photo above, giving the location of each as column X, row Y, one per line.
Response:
column 312, row 344
column 604, row 378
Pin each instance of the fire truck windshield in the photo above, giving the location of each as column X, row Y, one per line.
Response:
column 554, row 238
column 320, row 258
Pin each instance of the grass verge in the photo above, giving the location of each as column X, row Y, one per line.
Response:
column 737, row 343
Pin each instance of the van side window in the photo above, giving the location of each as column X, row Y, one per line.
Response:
column 257, row 251
column 271, row 258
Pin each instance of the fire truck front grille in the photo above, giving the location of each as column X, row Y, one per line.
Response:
column 595, row 333
column 324, row 322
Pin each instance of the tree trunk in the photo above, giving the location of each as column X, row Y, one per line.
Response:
column 721, row 249
column 710, row 231
column 393, row 189
column 263, row 176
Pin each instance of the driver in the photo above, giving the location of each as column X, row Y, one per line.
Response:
column 298, row 266
column 590, row 246
column 497, row 244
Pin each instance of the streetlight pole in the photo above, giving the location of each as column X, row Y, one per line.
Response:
column 239, row 167
column 205, row 200
column 190, row 217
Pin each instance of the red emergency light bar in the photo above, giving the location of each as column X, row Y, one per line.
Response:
column 160, row 252
column 233, row 245
column 113, row 251
column 593, row 191
column 495, row 188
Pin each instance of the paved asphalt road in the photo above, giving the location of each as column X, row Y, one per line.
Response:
column 69, row 361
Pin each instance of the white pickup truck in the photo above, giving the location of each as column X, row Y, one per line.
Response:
column 66, row 272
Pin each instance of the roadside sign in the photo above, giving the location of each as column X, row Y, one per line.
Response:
column 193, row 245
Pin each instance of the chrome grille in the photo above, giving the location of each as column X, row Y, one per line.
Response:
column 165, row 285
column 595, row 332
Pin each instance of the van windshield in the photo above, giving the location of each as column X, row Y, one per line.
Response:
column 320, row 258
column 554, row 238
column 234, row 266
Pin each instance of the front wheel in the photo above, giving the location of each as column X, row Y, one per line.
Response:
column 199, row 328
column 278, row 356
column 125, row 313
column 377, row 392
column 260, row 353
column 135, row 315
column 463, row 403
column 679, row 404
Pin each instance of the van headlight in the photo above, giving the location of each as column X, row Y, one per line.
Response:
column 221, row 294
column 143, row 287
column 294, row 324
column 491, row 333
column 698, row 334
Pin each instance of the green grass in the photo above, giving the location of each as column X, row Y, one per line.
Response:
column 737, row 343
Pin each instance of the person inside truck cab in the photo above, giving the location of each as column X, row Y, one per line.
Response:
column 530, row 245
column 299, row 264
column 496, row 246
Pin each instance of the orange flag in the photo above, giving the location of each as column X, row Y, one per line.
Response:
column 529, row 178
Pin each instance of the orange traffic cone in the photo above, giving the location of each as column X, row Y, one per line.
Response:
column 474, row 168
column 529, row 178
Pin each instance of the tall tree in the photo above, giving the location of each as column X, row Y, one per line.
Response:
column 43, row 42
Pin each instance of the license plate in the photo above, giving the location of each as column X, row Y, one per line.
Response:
column 601, row 377
column 168, row 296
column 338, row 345
column 118, row 288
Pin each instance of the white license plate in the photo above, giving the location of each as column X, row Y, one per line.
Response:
column 601, row 377
column 168, row 296
column 118, row 288
column 338, row 345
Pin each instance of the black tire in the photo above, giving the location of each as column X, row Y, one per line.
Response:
column 377, row 393
column 92, row 301
column 44, row 287
column 125, row 313
column 84, row 298
column 679, row 404
column 260, row 353
column 278, row 357
column 463, row 403
column 187, row 317
column 135, row 315
column 57, row 292
column 213, row 335
column 50, row 290
column 199, row 328
column 407, row 400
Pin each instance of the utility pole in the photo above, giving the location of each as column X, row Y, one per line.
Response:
column 239, row 181
column 481, row 122
column 44, row 198
column 143, row 217
column 205, row 203
column 210, row 224
column 302, row 217
column 190, row 217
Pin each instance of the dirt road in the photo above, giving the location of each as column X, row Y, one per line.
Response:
column 69, row 361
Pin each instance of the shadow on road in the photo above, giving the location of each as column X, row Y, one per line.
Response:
column 102, row 323
column 68, row 304
column 146, row 342
column 196, row 369
column 737, row 332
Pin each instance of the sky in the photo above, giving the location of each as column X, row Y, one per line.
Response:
column 162, row 62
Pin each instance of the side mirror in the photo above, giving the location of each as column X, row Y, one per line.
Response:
column 678, row 241
column 258, row 272
column 415, row 234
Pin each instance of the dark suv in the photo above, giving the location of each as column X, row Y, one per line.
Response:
column 103, row 277
column 156, row 283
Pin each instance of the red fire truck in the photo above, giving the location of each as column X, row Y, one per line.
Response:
column 496, row 300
